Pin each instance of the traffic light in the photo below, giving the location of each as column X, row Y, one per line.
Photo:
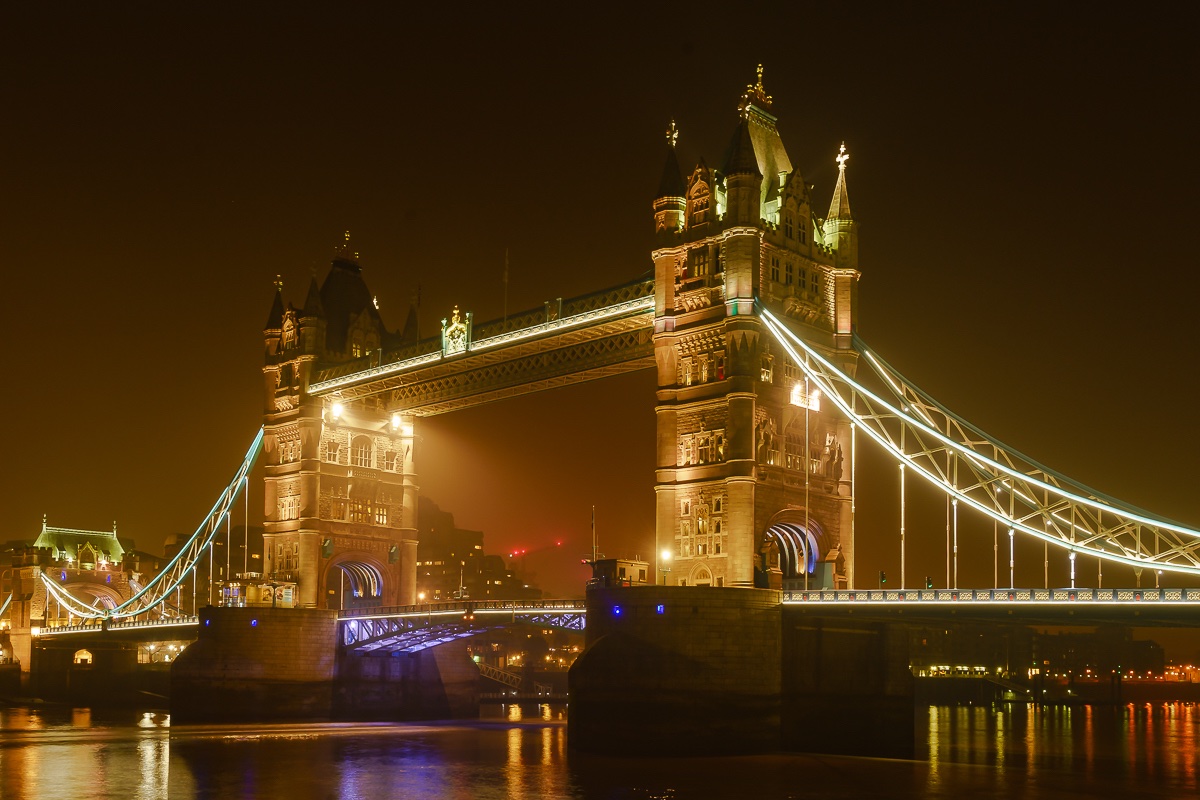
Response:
column 928, row 582
column 882, row 577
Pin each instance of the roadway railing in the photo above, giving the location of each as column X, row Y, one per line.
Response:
column 840, row 596
column 113, row 625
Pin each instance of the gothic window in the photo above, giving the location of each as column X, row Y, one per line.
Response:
column 775, row 269
column 699, row 258
column 381, row 515
column 788, row 275
column 717, row 258
column 703, row 456
column 289, row 335
column 802, row 230
column 360, row 511
column 389, row 460
column 360, row 455
column 685, row 507
column 700, row 549
column 720, row 367
column 704, row 369
column 331, row 451
column 289, row 508
column 717, row 508
column 816, row 282
column 766, row 372
column 790, row 368
column 787, row 225
column 803, row 277
column 687, row 372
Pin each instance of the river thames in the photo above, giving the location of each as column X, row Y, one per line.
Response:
column 996, row 751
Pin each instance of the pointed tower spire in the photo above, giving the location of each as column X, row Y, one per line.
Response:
column 839, row 207
column 275, row 318
column 313, row 307
column 839, row 230
column 671, row 200
column 671, row 184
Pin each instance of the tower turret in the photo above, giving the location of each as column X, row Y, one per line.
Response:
column 670, row 201
column 840, row 234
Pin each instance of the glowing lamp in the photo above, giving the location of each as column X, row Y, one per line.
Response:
column 338, row 408
column 666, row 555
column 395, row 421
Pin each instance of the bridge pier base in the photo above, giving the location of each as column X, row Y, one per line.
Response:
column 678, row 670
column 256, row 664
column 439, row 683
column 847, row 687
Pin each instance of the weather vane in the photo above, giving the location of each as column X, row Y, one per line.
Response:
column 672, row 134
column 842, row 158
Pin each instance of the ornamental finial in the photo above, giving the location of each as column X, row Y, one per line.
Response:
column 755, row 94
column 344, row 250
column 672, row 134
column 842, row 158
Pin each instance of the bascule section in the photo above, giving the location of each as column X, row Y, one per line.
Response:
column 341, row 495
column 753, row 471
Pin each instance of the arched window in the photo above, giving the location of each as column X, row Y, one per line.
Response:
column 82, row 657
column 360, row 452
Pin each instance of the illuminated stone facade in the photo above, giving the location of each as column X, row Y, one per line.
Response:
column 341, row 494
column 754, row 475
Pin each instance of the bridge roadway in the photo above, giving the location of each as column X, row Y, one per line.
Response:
column 1138, row 607
column 419, row 627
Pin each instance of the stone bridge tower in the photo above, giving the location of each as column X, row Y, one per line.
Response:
column 340, row 494
column 753, row 470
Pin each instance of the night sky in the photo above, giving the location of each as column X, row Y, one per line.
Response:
column 1025, row 184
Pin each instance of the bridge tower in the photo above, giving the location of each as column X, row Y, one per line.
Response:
column 341, row 494
column 754, row 472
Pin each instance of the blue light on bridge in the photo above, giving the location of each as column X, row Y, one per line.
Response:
column 661, row 609
column 616, row 611
column 207, row 622
column 63, row 575
column 253, row 623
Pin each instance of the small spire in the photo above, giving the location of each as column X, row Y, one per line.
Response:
column 671, row 184
column 278, row 283
column 839, row 206
column 43, row 522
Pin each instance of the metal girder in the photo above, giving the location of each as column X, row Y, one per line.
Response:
column 985, row 474
column 413, row 628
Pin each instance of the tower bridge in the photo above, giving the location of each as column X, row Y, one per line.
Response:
column 764, row 393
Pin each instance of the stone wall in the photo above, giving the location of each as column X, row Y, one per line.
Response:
column 678, row 670
column 253, row 664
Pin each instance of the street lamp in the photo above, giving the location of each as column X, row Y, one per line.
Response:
column 664, row 560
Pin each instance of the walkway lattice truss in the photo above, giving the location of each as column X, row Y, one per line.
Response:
column 156, row 595
column 985, row 474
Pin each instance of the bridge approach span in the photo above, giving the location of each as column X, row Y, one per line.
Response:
column 410, row 629
column 1138, row 607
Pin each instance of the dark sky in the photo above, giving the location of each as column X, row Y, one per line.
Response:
column 1025, row 182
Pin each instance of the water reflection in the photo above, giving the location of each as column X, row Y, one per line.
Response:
column 1143, row 750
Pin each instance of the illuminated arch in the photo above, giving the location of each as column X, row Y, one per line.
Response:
column 362, row 577
column 801, row 544
column 82, row 658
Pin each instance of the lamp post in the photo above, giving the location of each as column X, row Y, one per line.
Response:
column 664, row 561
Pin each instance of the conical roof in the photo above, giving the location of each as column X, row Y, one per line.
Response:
column 275, row 318
column 672, row 184
column 839, row 206
column 741, row 160
column 312, row 303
